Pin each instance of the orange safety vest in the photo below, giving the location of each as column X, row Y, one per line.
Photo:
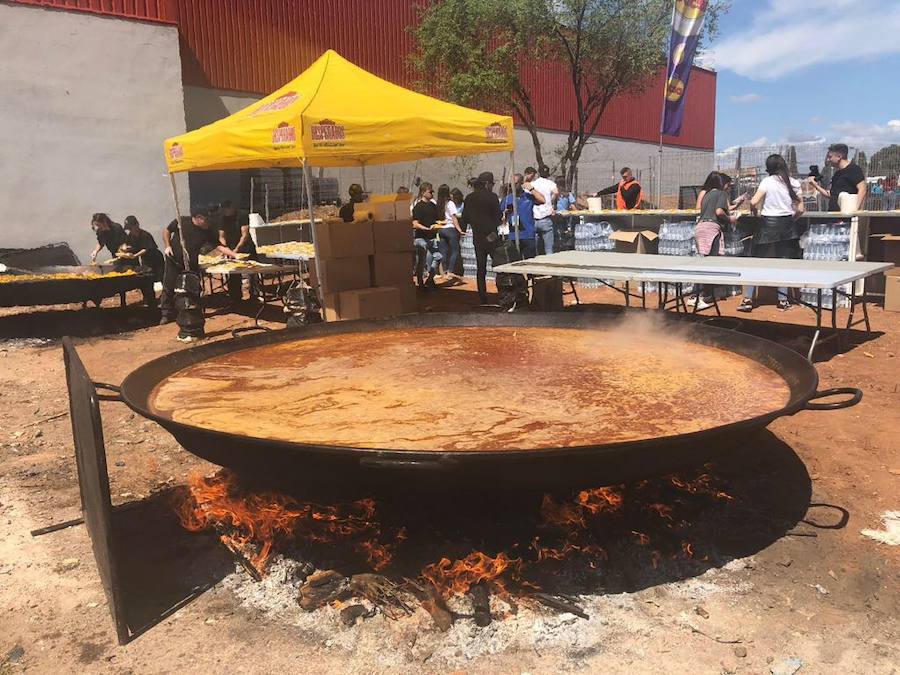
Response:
column 620, row 199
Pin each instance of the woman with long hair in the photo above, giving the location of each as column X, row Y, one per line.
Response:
column 449, row 232
column 715, row 217
column 779, row 203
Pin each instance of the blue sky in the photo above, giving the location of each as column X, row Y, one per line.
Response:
column 802, row 70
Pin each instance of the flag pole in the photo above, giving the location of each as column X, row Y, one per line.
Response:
column 662, row 118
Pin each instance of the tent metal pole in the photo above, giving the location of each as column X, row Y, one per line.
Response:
column 515, row 197
column 312, row 229
column 185, row 260
column 363, row 167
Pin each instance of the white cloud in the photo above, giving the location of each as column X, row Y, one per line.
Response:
column 745, row 98
column 788, row 37
column 863, row 135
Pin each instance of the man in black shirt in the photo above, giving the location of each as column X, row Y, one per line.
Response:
column 848, row 177
column 198, row 234
column 481, row 210
column 234, row 233
column 109, row 234
column 357, row 196
column 424, row 216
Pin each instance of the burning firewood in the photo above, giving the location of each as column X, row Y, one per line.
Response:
column 481, row 604
column 381, row 592
column 432, row 603
column 321, row 588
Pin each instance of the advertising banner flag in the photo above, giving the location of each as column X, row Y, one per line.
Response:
column 687, row 24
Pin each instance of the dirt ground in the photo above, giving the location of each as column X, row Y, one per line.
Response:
column 818, row 595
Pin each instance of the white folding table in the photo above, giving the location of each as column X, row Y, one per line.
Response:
column 676, row 271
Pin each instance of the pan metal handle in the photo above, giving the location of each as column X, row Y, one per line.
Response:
column 405, row 464
column 115, row 396
column 855, row 397
column 728, row 322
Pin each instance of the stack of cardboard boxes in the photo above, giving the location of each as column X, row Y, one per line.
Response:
column 366, row 269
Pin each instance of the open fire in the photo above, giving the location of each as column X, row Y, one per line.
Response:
column 391, row 565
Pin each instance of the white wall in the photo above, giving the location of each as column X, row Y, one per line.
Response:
column 85, row 103
column 598, row 167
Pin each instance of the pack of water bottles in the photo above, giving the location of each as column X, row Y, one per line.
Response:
column 677, row 238
column 827, row 241
column 592, row 235
column 467, row 252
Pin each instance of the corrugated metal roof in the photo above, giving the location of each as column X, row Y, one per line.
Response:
column 159, row 11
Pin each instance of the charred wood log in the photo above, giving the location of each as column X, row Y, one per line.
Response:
column 481, row 604
column 322, row 588
column 351, row 613
column 560, row 604
column 432, row 603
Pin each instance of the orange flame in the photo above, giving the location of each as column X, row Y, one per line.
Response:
column 457, row 577
column 254, row 522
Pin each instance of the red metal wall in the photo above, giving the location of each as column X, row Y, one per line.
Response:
column 257, row 45
column 159, row 11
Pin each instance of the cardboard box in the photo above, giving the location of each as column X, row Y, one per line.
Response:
column 392, row 235
column 891, row 243
column 374, row 210
column 345, row 274
column 370, row 303
column 331, row 307
column 392, row 269
column 409, row 298
column 643, row 241
column 892, row 290
column 337, row 239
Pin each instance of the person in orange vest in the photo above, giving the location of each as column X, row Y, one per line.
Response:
column 628, row 192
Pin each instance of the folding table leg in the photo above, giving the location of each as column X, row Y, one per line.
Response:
column 628, row 294
column 643, row 295
column 865, row 300
column 815, row 339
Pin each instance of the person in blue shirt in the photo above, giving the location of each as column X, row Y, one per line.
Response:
column 526, row 198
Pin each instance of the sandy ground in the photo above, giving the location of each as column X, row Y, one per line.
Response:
column 818, row 594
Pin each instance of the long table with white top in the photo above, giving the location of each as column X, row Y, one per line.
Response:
column 677, row 271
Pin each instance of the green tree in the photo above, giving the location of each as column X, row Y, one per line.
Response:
column 885, row 162
column 487, row 54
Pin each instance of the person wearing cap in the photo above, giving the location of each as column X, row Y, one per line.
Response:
column 527, row 198
column 199, row 236
column 357, row 196
column 234, row 233
column 629, row 193
column 109, row 234
column 481, row 211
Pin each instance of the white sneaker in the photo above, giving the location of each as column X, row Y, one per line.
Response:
column 187, row 338
column 700, row 303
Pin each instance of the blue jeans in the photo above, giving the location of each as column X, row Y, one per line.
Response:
column 543, row 229
column 425, row 255
column 448, row 245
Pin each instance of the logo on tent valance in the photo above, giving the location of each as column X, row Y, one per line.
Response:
column 284, row 135
column 496, row 133
column 327, row 133
column 279, row 103
column 176, row 153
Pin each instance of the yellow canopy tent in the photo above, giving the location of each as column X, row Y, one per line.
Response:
column 337, row 114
